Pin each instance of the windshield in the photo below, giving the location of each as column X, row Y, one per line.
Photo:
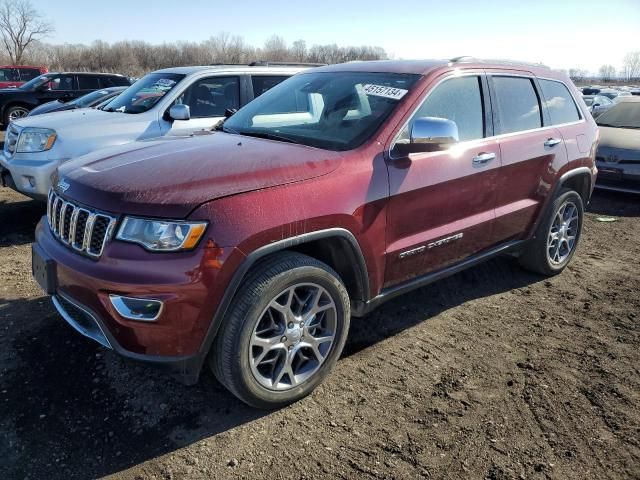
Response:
column 144, row 94
column 35, row 83
column 623, row 115
column 330, row 110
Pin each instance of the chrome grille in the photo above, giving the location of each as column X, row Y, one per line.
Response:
column 11, row 139
column 83, row 230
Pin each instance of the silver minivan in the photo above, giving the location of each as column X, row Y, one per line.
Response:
column 173, row 101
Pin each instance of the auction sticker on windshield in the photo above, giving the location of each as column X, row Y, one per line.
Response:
column 384, row 91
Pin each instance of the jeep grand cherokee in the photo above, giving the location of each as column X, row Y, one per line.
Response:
column 250, row 248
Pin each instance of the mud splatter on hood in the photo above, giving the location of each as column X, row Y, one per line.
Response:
column 170, row 177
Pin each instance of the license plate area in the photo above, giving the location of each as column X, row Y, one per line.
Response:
column 43, row 270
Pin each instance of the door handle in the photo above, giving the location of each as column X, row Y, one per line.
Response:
column 483, row 158
column 552, row 142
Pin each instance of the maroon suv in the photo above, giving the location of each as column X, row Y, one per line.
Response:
column 250, row 248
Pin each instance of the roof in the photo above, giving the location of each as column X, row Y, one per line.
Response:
column 232, row 68
column 424, row 66
column 85, row 73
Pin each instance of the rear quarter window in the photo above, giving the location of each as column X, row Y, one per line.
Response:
column 559, row 102
column 517, row 104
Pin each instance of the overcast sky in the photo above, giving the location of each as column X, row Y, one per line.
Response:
column 560, row 33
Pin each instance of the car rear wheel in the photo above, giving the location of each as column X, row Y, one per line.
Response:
column 14, row 113
column 284, row 331
column 557, row 235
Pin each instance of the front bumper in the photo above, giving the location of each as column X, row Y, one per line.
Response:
column 619, row 177
column 189, row 284
column 29, row 176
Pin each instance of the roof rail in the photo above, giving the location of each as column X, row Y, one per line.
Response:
column 261, row 63
column 463, row 58
column 514, row 63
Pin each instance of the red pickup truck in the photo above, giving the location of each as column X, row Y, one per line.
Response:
column 16, row 75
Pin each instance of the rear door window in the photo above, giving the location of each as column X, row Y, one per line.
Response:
column 517, row 104
column 559, row 102
column 263, row 83
column 86, row 82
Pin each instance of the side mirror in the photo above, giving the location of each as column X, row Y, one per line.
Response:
column 596, row 105
column 429, row 134
column 180, row 112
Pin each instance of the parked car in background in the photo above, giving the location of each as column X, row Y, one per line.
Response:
column 597, row 104
column 90, row 100
column 174, row 101
column 249, row 249
column 618, row 156
column 18, row 102
column 16, row 75
column 621, row 95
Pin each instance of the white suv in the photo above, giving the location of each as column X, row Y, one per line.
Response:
column 173, row 101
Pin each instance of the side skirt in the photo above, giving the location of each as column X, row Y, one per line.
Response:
column 423, row 280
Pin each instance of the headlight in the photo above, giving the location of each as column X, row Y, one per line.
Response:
column 161, row 235
column 36, row 140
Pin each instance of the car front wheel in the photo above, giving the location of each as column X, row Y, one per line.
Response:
column 284, row 331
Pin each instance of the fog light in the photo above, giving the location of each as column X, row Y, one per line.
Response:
column 32, row 181
column 141, row 309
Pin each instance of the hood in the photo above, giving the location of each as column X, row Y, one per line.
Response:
column 84, row 130
column 73, row 119
column 622, row 138
column 169, row 177
column 54, row 106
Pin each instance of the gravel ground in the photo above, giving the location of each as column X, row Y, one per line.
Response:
column 493, row 373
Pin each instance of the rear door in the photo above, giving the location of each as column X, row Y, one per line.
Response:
column 532, row 152
column 441, row 206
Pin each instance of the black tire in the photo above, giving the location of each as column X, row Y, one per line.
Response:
column 535, row 255
column 229, row 357
column 10, row 110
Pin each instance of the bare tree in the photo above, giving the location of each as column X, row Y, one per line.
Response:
column 631, row 66
column 577, row 74
column 20, row 26
column 607, row 72
column 275, row 49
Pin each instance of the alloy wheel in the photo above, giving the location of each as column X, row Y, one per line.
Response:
column 293, row 336
column 17, row 113
column 563, row 233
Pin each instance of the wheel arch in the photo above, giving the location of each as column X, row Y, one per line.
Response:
column 579, row 180
column 324, row 245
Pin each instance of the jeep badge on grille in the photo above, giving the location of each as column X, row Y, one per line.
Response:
column 63, row 186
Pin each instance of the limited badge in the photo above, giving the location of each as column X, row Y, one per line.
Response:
column 384, row 91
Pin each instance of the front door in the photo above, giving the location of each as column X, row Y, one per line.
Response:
column 208, row 100
column 441, row 207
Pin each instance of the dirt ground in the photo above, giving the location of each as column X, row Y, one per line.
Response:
column 493, row 373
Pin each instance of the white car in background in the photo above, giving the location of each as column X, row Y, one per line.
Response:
column 173, row 101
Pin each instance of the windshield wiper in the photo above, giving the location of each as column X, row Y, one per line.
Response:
column 608, row 125
column 267, row 135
